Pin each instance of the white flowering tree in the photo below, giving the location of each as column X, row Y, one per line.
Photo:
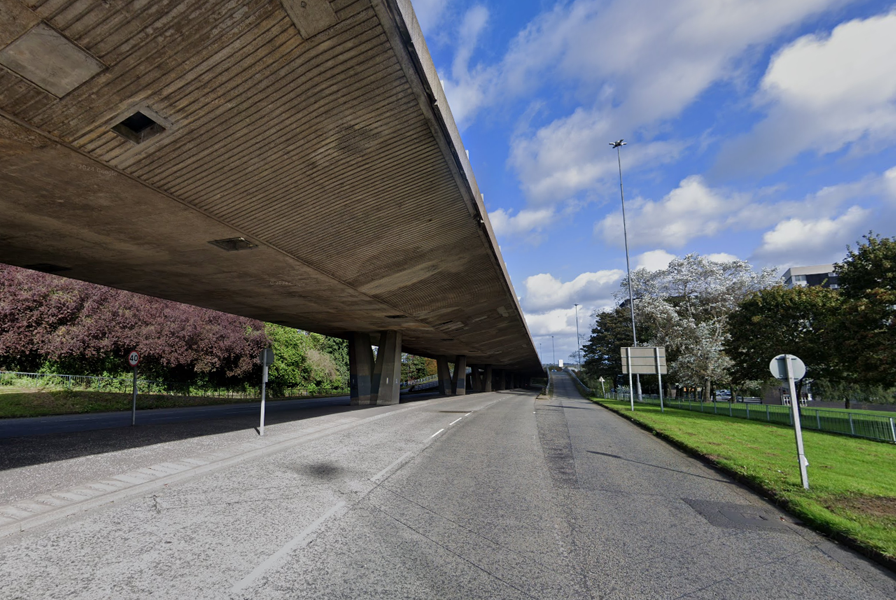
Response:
column 687, row 306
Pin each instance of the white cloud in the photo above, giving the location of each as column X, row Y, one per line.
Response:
column 429, row 13
column 824, row 94
column 694, row 210
column 527, row 224
column 812, row 241
column 632, row 71
column 467, row 88
column 722, row 257
column 545, row 292
column 655, row 260
column 689, row 211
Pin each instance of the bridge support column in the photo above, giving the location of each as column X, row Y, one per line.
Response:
column 476, row 379
column 488, row 378
column 387, row 371
column 459, row 380
column 444, row 375
column 360, row 361
column 508, row 383
column 499, row 380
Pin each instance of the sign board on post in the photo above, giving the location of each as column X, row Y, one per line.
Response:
column 644, row 360
column 134, row 360
column 267, row 359
column 790, row 368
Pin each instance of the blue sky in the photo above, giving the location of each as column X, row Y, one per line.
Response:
column 758, row 129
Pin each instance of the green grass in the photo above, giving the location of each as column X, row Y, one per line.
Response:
column 41, row 402
column 852, row 481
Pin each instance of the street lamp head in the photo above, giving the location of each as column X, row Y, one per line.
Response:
column 618, row 143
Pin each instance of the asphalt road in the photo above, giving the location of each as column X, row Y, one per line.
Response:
column 497, row 495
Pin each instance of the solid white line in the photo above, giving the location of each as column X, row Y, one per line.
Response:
column 437, row 433
column 297, row 542
column 454, row 421
column 382, row 474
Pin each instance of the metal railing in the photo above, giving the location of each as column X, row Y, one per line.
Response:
column 150, row 387
column 861, row 425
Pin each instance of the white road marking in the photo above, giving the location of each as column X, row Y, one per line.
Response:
column 382, row 474
column 437, row 433
column 454, row 421
column 297, row 542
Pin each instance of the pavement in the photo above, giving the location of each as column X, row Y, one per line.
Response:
column 491, row 495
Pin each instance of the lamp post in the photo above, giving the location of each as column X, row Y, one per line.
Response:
column 553, row 354
column 578, row 341
column 631, row 298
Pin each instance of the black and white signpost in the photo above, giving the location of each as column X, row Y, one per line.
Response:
column 267, row 359
column 644, row 360
column 134, row 360
column 603, row 392
column 789, row 367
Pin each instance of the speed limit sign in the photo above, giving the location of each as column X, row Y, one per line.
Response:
column 133, row 358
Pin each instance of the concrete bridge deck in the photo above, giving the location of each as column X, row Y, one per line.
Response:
column 294, row 162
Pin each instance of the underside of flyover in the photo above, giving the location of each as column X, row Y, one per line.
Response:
column 293, row 162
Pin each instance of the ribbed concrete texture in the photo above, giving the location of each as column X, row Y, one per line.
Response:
column 294, row 162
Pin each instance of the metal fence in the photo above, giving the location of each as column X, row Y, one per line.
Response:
column 148, row 386
column 872, row 427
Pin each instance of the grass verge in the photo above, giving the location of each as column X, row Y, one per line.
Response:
column 853, row 481
column 43, row 403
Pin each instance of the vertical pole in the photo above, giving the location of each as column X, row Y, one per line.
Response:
column 852, row 428
column 603, row 394
column 659, row 376
column 134, row 403
column 264, row 380
column 631, row 391
column 817, row 420
column 578, row 342
column 797, row 429
column 767, row 416
column 747, row 404
column 893, row 429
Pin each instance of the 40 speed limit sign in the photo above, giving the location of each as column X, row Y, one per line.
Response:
column 134, row 358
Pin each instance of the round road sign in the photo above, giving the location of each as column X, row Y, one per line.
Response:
column 133, row 358
column 778, row 367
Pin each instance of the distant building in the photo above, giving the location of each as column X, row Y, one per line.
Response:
column 818, row 275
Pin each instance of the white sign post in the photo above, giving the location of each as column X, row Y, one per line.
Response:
column 791, row 368
column 267, row 359
column 603, row 392
column 134, row 360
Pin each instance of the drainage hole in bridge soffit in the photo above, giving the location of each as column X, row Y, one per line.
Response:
column 138, row 128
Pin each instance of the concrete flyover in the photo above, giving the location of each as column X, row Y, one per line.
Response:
column 294, row 162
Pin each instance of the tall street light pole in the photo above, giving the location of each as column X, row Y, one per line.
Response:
column 553, row 354
column 578, row 341
column 631, row 298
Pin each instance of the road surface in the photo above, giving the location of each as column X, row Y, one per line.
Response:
column 491, row 495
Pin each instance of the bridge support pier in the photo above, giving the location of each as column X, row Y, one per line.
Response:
column 499, row 380
column 360, row 361
column 488, row 378
column 459, row 379
column 476, row 378
column 387, row 371
column 444, row 375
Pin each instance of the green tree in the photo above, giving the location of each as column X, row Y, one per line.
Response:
column 601, row 355
column 301, row 361
column 778, row 320
column 867, row 341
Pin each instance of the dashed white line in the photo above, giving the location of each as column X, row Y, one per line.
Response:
column 297, row 542
column 436, row 433
column 454, row 421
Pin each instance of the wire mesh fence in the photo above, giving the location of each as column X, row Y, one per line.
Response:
column 826, row 420
column 153, row 387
